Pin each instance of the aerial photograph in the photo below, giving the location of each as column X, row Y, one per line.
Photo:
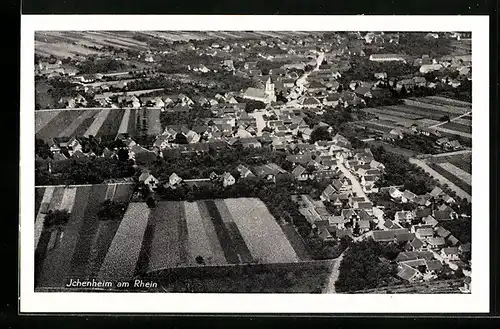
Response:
column 313, row 162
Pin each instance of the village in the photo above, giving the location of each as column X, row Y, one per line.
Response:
column 281, row 126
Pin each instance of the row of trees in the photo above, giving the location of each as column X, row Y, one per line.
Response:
column 88, row 170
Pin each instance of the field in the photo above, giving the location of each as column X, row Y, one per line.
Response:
column 425, row 112
column 77, row 249
column 173, row 235
column 456, row 168
column 96, row 122
column 72, row 43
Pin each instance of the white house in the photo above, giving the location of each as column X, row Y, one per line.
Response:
column 228, row 179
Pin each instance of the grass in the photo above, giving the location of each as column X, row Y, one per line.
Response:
column 457, row 127
column 452, row 178
column 111, row 124
column 58, row 123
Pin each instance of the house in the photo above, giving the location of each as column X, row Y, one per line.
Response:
column 149, row 180
column 447, row 199
column 365, row 205
column 244, row 171
column 327, row 193
column 435, row 242
column 416, row 244
column 364, row 226
column 409, row 273
column 388, row 235
column 228, row 179
column 403, row 216
column 408, row 196
column 424, row 233
column 269, row 171
column 174, row 180
column 422, row 212
column 387, row 58
column 452, row 240
column 436, row 191
column 250, row 142
column 161, row 142
column 450, row 253
column 395, row 193
column 429, row 220
column 442, row 232
column 442, row 215
column 300, row 173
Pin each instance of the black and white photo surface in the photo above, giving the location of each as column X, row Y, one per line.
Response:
column 289, row 162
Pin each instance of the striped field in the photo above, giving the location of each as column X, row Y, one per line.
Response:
column 148, row 240
column 80, row 246
column 96, row 122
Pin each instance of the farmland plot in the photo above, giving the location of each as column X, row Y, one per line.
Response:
column 463, row 121
column 111, row 124
column 262, row 234
column 457, row 127
column 467, row 188
column 56, row 261
column 377, row 111
column 42, row 118
column 71, row 128
column 121, row 259
column 432, row 107
column 199, row 243
column 464, row 164
column 58, row 124
column 463, row 175
column 422, row 112
column 154, row 124
column 98, row 122
column 124, row 123
column 449, row 101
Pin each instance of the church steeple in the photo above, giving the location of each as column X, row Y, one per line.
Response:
column 270, row 93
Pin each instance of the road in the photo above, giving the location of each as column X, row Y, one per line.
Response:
column 261, row 124
column 330, row 287
column 461, row 193
column 356, row 186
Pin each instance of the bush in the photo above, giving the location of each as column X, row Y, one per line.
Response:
column 56, row 218
column 111, row 210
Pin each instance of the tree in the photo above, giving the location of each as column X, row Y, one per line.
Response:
column 180, row 138
column 151, row 202
column 200, row 260
column 320, row 133
column 111, row 210
column 56, row 218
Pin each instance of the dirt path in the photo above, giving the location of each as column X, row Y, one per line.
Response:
column 461, row 193
column 330, row 287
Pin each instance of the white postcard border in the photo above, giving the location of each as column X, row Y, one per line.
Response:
column 477, row 301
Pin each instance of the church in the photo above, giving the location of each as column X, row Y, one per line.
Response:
column 266, row 95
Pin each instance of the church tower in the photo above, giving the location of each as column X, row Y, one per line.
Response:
column 270, row 94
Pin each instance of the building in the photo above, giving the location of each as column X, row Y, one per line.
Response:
column 266, row 96
column 387, row 58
